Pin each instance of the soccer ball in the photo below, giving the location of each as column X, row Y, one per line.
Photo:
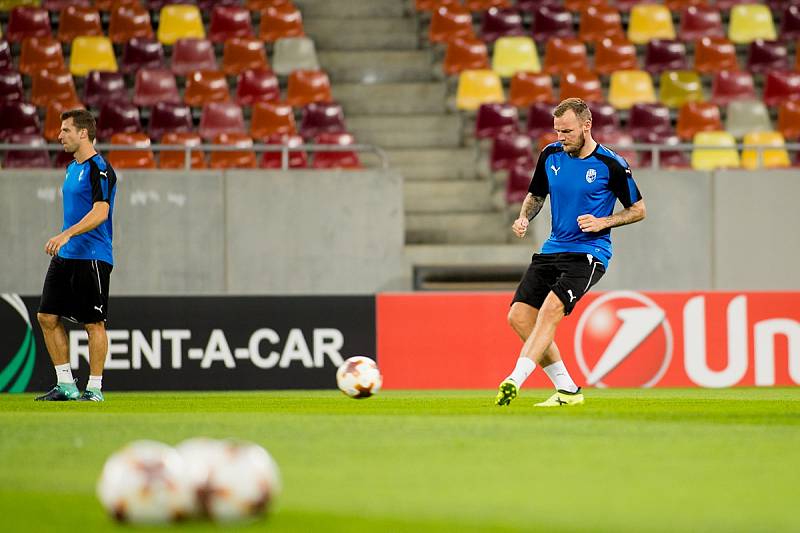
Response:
column 359, row 377
column 232, row 480
column 145, row 483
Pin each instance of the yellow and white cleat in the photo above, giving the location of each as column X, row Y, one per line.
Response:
column 563, row 398
column 506, row 392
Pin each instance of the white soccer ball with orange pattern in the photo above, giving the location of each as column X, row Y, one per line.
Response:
column 359, row 377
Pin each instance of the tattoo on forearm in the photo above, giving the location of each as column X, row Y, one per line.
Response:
column 531, row 206
column 626, row 216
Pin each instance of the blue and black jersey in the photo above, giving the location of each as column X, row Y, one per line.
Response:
column 588, row 186
column 86, row 183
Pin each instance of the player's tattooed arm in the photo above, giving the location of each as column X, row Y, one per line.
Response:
column 531, row 206
column 629, row 215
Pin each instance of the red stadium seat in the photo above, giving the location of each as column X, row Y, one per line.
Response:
column 694, row 117
column 154, row 86
column 518, row 182
column 604, row 117
column 40, row 53
column 781, row 86
column 156, row 5
column 177, row 160
column 49, row 85
column 530, row 87
column 228, row 22
column 661, row 55
column 271, row 118
column 645, row 118
column 257, row 85
column 501, row 22
column 318, row 118
column 790, row 23
column 76, row 21
column 540, row 119
column 599, row 22
column 243, row 53
column 205, row 86
column 465, row 53
column 117, row 117
column 583, row 85
column 190, row 55
column 101, row 87
column 58, row 5
column 208, row 5
column 166, row 118
column 325, row 160
column 495, row 119
column 714, row 54
column 129, row 22
column 509, row 150
column 766, row 56
column 221, row 117
column 141, row 53
column 700, row 21
column 615, row 54
column 18, row 118
column 142, row 159
column 110, row 5
column 26, row 22
column 243, row 159
column 296, row 158
column 52, row 117
column 727, row 86
column 280, row 21
column 565, row 55
column 449, row 22
column 552, row 21
column 666, row 158
column 306, row 86
column 11, row 86
column 32, row 158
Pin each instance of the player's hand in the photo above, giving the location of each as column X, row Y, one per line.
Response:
column 590, row 224
column 520, row 226
column 55, row 243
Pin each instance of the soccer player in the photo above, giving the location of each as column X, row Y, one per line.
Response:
column 76, row 285
column 584, row 180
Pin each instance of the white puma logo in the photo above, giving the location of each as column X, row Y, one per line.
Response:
column 100, row 308
column 104, row 173
column 555, row 170
column 571, row 296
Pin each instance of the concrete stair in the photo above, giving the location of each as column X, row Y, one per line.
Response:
column 456, row 228
column 434, row 163
column 376, row 66
column 363, row 34
column 407, row 131
column 413, row 98
column 443, row 197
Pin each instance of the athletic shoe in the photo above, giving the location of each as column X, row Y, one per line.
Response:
column 62, row 392
column 506, row 392
column 562, row 397
column 91, row 395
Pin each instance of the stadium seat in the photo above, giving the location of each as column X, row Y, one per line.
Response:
column 40, row 53
column 666, row 158
column 648, row 22
column 449, row 22
column 257, row 85
column 766, row 56
column 177, row 160
column 320, row 117
column 510, row 150
column 714, row 54
column 26, row 21
column 117, row 117
column 605, row 118
column 92, row 53
column 11, row 86
column 141, row 53
column 271, row 118
column 6, row 59
column 76, row 21
column 694, row 117
column 628, row 87
column 615, row 54
column 777, row 158
column 790, row 23
column 514, row 54
column 158, row 5
column 645, row 118
column 577, row 6
column 620, row 142
column 565, row 55
column 323, row 160
column 501, row 22
column 220, row 117
column 207, row 5
column 58, row 5
column 518, row 182
column 239, row 159
column 204, row 86
column 129, row 22
column 709, row 158
column 110, row 5
column 661, row 55
column 679, row 86
column 295, row 158
column 102, row 87
column 306, row 86
column 464, row 53
column 483, row 5
column 179, row 22
column 746, row 116
column 476, row 87
column 780, row 86
column 727, row 86
column 423, row 5
column 154, row 86
column 165, row 118
column 280, row 21
column 190, row 55
column 494, row 119
column 727, row 5
column 32, row 158
column 540, row 119
column 52, row 117
column 750, row 22
column 551, row 21
column 228, row 22
column 18, row 117
column 243, row 53
column 49, row 85
column 529, row 87
column 701, row 21
column 599, row 22
column 789, row 119
column 294, row 53
column 121, row 159
column 583, row 85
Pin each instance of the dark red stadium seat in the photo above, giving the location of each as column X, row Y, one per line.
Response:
column 280, row 21
column 613, row 54
column 765, row 56
column 32, row 158
column 700, row 21
column 6, row 59
column 117, row 117
column 694, row 117
column 141, row 53
column 666, row 158
column 789, row 119
column 228, row 22
column 11, row 86
column 76, row 21
column 153, row 86
column 49, row 85
column 102, row 87
column 142, row 159
column 780, row 86
column 565, row 55
column 582, row 84
column 661, row 55
column 551, row 21
column 540, row 119
column 790, row 23
column 156, row 5
column 165, row 118
column 190, row 55
column 449, row 22
column 129, row 22
column 243, row 53
column 645, row 118
column 337, row 159
column 58, row 5
column 306, row 86
column 604, row 117
column 177, row 160
column 518, row 182
column 511, row 149
column 295, row 158
column 495, row 119
column 318, row 118
column 221, row 117
column 257, row 85
column 529, row 87
column 619, row 141
column 204, row 86
column 109, row 5
column 244, row 159
column 271, row 118
column 40, row 53
column 496, row 23
column 726, row 5
column 627, row 5
column 714, row 54
column 27, row 22
column 599, row 22
column 465, row 53
column 728, row 85
column 208, row 5
column 18, row 117
column 52, row 117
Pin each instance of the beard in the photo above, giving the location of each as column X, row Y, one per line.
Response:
column 577, row 147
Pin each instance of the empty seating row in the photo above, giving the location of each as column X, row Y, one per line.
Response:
column 152, row 5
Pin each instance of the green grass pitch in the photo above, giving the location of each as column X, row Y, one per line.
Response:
column 627, row 461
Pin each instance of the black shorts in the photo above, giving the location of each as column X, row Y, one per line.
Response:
column 76, row 289
column 568, row 275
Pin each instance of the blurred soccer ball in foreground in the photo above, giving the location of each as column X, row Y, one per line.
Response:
column 146, row 483
column 232, row 480
column 359, row 377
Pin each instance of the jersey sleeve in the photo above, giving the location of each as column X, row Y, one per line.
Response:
column 621, row 183
column 540, row 184
column 102, row 181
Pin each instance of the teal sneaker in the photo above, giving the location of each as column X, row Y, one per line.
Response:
column 506, row 392
column 92, row 395
column 62, row 392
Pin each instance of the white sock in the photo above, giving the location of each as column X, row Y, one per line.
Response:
column 95, row 382
column 561, row 379
column 64, row 374
column 525, row 367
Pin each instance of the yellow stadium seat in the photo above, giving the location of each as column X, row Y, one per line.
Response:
column 648, row 22
column 8, row 5
column 91, row 53
column 769, row 158
column 179, row 21
column 677, row 87
column 476, row 87
column 515, row 54
column 750, row 22
column 628, row 87
column 711, row 158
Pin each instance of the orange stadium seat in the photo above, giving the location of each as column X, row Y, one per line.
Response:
column 50, row 85
column 190, row 55
column 204, row 86
column 565, row 55
column 789, row 119
column 599, row 22
column 165, row 118
column 694, row 117
column 348, row 160
column 483, row 5
column 306, row 86
column 154, row 86
column 431, row 5
column 228, row 22
column 465, row 53
column 26, row 22
column 243, row 53
column 527, row 88
column 221, row 117
column 260, row 5
column 52, row 117
column 775, row 158
column 280, row 21
column 614, row 54
column 75, row 21
column 449, row 22
column 583, row 85
column 40, row 53
column 271, row 118
column 128, row 22
column 296, row 158
column 110, row 5
column 243, row 159
column 714, row 54
column 257, row 85
column 177, row 160
column 142, row 159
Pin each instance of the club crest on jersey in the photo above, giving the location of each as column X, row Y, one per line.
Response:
column 591, row 175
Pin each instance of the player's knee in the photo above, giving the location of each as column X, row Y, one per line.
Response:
column 95, row 327
column 47, row 321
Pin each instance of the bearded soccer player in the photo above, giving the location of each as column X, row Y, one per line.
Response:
column 76, row 285
column 584, row 180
